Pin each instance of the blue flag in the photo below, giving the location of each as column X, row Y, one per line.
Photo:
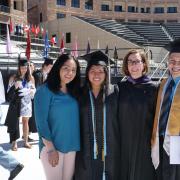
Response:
column 46, row 45
column 88, row 48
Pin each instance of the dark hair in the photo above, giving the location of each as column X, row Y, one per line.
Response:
column 87, row 83
column 143, row 57
column 27, row 75
column 47, row 61
column 53, row 80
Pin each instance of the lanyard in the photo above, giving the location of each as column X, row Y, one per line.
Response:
column 95, row 149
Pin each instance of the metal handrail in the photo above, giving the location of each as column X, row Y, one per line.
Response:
column 162, row 75
column 159, row 65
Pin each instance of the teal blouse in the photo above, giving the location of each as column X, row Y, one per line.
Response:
column 57, row 119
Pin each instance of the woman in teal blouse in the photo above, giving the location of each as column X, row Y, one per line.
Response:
column 57, row 118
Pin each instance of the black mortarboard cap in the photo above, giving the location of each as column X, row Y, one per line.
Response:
column 23, row 62
column 97, row 58
column 174, row 46
column 48, row 61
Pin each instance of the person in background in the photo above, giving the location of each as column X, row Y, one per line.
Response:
column 99, row 155
column 32, row 123
column 6, row 159
column 20, row 93
column 57, row 118
column 166, row 130
column 137, row 103
column 41, row 75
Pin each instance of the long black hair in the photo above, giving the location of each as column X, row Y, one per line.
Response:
column 53, row 80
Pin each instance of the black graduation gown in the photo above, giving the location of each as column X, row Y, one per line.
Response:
column 86, row 168
column 13, row 114
column 136, row 114
column 38, row 77
column 32, row 123
column 165, row 170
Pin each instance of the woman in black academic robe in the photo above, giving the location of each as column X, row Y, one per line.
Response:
column 99, row 155
column 137, row 100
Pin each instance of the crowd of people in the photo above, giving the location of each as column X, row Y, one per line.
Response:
column 95, row 130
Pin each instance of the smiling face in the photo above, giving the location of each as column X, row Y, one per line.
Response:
column 174, row 64
column 23, row 70
column 135, row 65
column 68, row 72
column 96, row 76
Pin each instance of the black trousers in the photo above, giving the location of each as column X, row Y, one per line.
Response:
column 166, row 171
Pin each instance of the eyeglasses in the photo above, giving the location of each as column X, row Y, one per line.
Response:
column 137, row 62
column 173, row 62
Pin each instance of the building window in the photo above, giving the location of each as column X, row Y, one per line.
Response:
column 18, row 5
column 89, row 4
column 148, row 10
column 61, row 2
column 118, row 8
column 15, row 5
column 4, row 3
column 159, row 10
column 131, row 9
column 172, row 10
column 142, row 10
column 60, row 15
column 40, row 17
column 75, row 3
column 104, row 7
column 68, row 37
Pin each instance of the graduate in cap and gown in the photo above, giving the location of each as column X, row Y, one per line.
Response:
column 21, row 90
column 98, row 158
column 137, row 102
column 166, row 129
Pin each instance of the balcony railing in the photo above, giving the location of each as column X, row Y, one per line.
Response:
column 5, row 9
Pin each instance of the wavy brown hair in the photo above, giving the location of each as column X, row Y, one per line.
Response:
column 143, row 57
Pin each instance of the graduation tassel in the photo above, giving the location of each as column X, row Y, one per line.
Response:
column 103, row 155
column 104, row 149
column 95, row 147
column 104, row 176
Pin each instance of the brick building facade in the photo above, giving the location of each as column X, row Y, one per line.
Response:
column 16, row 10
column 121, row 10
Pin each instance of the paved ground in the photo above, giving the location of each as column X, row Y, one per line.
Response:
column 29, row 157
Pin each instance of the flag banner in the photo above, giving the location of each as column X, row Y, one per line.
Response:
column 74, row 51
column 88, row 49
column 115, row 53
column 62, row 45
column 46, row 45
column 53, row 40
column 32, row 29
column 115, row 56
column 37, row 30
column 28, row 47
column 11, row 26
column 107, row 50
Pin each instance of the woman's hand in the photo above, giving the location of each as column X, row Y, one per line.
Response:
column 53, row 157
column 18, row 84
